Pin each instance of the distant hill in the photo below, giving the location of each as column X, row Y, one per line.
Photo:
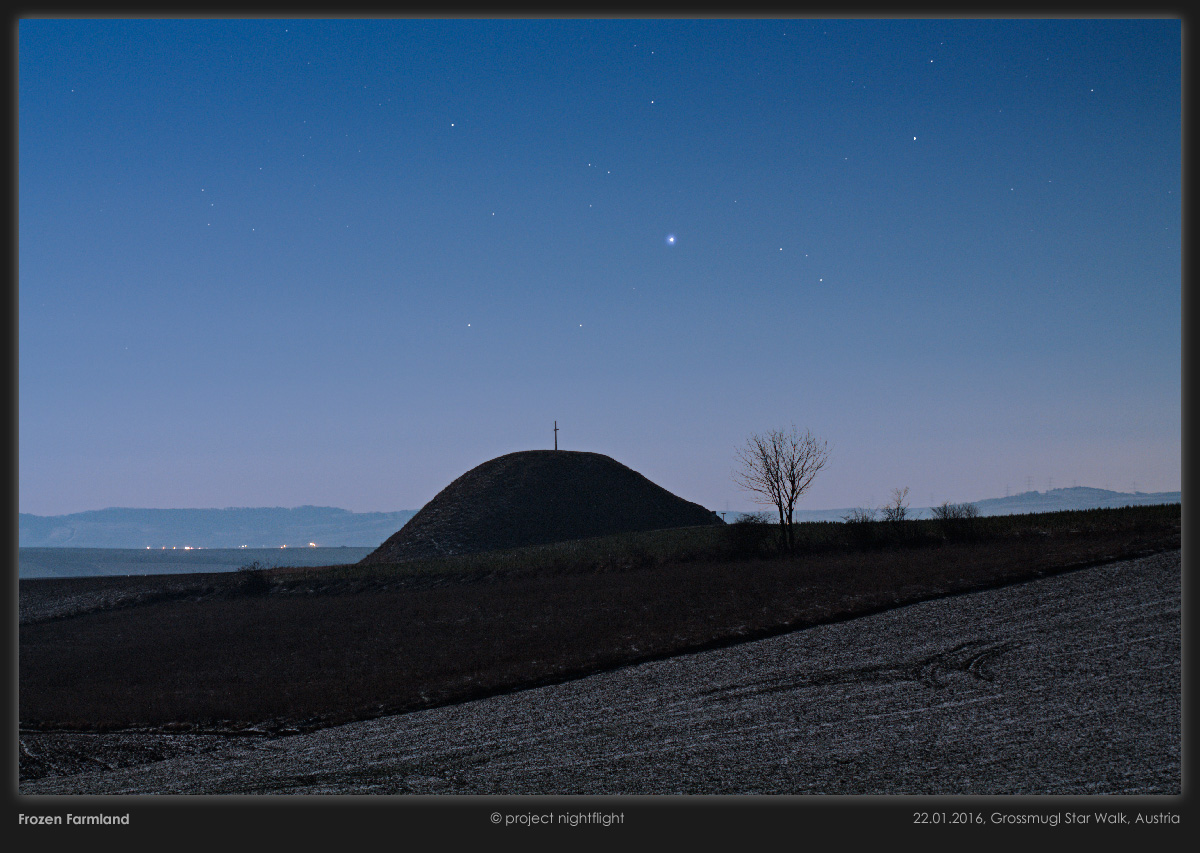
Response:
column 1078, row 497
column 254, row 527
column 535, row 497
column 270, row 527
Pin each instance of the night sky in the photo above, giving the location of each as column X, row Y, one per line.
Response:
column 342, row 262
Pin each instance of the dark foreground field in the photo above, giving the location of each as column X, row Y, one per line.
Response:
column 1064, row 685
column 280, row 653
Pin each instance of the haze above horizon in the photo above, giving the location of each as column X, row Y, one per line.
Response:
column 342, row 262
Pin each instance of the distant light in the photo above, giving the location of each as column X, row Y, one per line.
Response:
column 283, row 546
column 312, row 544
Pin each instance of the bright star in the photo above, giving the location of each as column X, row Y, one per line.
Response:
column 670, row 239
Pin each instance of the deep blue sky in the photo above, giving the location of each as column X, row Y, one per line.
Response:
column 274, row 263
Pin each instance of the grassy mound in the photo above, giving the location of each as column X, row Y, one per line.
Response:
column 536, row 497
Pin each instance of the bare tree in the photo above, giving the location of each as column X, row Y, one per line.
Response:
column 779, row 467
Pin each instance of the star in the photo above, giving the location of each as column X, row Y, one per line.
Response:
column 670, row 239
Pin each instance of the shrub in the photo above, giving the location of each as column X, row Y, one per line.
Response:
column 896, row 509
column 253, row 579
column 860, row 515
column 956, row 520
column 952, row 512
column 750, row 534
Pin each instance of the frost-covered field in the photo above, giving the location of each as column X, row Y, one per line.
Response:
column 1064, row 685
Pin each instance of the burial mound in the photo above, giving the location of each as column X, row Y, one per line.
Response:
column 535, row 497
